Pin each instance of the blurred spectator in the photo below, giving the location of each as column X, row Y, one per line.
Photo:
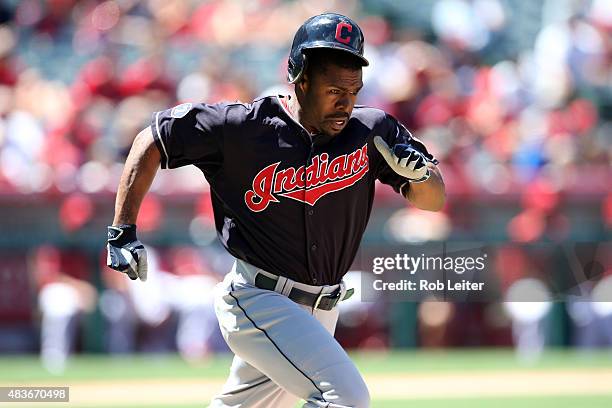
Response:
column 434, row 320
column 591, row 314
column 64, row 295
column 528, row 303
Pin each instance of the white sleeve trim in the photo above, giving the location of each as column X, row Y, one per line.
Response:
column 161, row 141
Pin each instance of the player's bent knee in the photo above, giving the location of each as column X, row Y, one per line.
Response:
column 360, row 397
column 357, row 396
column 353, row 392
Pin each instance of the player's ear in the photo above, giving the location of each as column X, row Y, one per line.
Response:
column 304, row 83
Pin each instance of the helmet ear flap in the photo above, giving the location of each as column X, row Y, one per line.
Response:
column 296, row 69
column 290, row 71
column 304, row 65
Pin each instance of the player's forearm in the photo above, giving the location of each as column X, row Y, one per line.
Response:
column 429, row 195
column 138, row 174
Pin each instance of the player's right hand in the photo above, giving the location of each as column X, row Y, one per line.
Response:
column 125, row 252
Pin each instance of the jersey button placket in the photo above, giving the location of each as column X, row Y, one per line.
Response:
column 309, row 221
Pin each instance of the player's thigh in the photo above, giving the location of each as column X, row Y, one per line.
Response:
column 286, row 343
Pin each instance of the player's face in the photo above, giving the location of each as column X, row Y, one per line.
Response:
column 330, row 96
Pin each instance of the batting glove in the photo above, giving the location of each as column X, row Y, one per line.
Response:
column 404, row 160
column 125, row 252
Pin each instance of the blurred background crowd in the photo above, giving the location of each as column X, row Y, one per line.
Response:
column 514, row 98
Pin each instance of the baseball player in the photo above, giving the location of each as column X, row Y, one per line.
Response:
column 292, row 182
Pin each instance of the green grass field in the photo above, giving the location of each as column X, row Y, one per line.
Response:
column 457, row 379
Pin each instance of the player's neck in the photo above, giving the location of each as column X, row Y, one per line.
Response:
column 293, row 107
column 304, row 119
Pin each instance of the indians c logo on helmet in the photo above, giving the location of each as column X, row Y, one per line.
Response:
column 308, row 183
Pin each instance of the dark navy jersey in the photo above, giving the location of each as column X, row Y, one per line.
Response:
column 288, row 202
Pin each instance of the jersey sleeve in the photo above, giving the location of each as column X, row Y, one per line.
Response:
column 190, row 134
column 395, row 133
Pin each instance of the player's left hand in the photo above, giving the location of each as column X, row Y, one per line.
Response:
column 404, row 160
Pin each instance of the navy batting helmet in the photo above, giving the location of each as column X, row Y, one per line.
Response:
column 329, row 30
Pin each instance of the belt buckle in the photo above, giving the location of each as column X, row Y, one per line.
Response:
column 335, row 294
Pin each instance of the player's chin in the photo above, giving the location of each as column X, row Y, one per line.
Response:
column 333, row 127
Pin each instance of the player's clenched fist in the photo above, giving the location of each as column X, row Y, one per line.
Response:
column 125, row 252
column 404, row 160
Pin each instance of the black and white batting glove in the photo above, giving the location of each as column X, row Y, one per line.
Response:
column 125, row 252
column 404, row 160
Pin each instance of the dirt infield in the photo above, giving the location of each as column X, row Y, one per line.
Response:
column 404, row 386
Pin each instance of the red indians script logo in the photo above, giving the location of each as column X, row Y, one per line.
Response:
column 307, row 184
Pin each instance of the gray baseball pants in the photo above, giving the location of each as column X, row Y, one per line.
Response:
column 284, row 351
